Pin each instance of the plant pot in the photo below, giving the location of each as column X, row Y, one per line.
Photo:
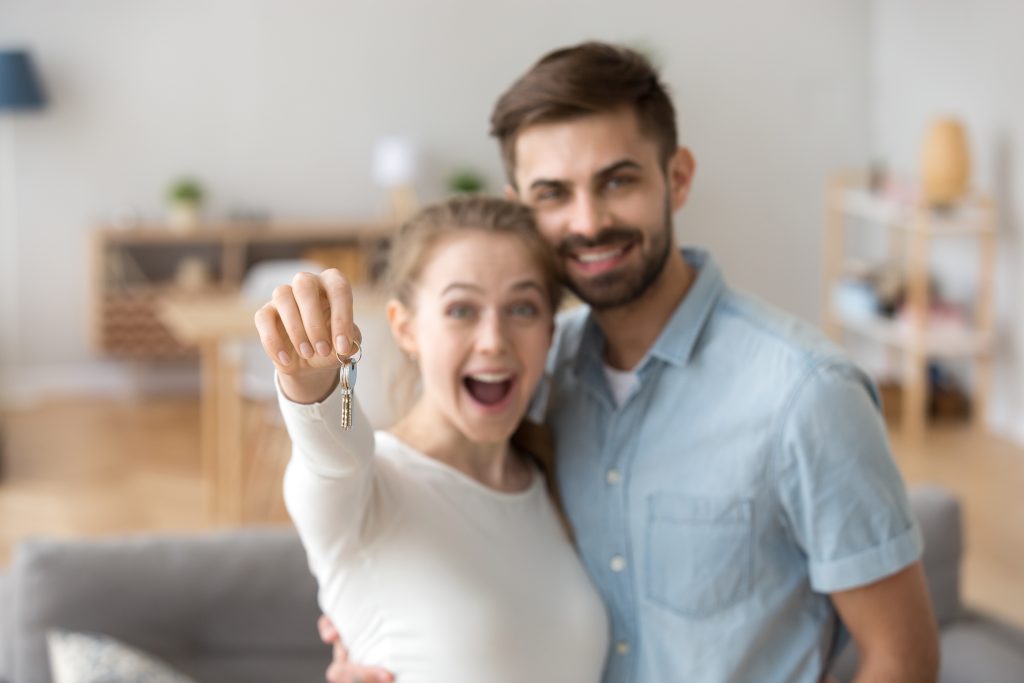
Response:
column 184, row 216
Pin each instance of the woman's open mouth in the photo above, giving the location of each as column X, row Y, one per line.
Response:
column 490, row 389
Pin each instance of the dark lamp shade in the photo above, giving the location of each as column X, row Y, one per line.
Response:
column 19, row 87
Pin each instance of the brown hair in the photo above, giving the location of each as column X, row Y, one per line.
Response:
column 589, row 78
column 425, row 230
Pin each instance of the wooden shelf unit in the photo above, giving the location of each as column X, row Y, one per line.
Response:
column 912, row 226
column 133, row 268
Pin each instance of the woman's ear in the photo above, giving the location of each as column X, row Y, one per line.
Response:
column 400, row 321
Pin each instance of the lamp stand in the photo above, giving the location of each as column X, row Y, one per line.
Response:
column 10, row 318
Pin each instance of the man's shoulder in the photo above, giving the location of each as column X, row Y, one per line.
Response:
column 769, row 334
column 785, row 348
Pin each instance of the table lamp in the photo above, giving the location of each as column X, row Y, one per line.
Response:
column 20, row 91
column 395, row 166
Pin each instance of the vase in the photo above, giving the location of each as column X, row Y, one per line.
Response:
column 945, row 163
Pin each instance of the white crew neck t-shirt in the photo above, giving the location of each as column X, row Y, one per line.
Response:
column 431, row 574
column 622, row 383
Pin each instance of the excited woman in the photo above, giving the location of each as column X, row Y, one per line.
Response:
column 435, row 543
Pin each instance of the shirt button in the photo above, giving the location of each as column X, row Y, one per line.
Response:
column 618, row 563
column 613, row 476
column 622, row 648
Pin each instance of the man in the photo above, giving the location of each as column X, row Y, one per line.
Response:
column 725, row 469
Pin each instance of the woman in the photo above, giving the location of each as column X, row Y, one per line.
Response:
column 436, row 547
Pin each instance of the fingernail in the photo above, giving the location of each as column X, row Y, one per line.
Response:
column 323, row 348
column 341, row 344
column 284, row 357
column 306, row 350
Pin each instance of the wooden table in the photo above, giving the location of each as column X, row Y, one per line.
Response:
column 214, row 322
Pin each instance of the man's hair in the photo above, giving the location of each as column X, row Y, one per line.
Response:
column 589, row 78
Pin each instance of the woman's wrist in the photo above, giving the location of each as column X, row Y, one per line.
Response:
column 308, row 387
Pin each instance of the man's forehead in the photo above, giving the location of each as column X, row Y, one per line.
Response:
column 565, row 150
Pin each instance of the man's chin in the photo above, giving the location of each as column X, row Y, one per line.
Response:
column 604, row 296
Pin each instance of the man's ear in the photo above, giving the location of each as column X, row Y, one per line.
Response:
column 681, row 168
column 400, row 322
column 510, row 193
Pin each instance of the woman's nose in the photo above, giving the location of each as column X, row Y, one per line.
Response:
column 490, row 336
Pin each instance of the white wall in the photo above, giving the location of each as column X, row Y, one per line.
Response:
column 933, row 57
column 277, row 105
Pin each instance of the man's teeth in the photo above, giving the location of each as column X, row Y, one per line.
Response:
column 594, row 257
column 491, row 377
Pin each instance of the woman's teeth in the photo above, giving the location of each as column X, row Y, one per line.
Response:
column 491, row 377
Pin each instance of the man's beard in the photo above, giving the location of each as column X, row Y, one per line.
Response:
column 615, row 289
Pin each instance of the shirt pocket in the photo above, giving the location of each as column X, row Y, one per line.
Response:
column 699, row 552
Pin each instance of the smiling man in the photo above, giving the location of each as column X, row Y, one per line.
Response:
column 725, row 469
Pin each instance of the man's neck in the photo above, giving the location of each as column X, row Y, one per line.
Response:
column 631, row 330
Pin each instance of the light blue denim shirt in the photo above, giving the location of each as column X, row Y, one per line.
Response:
column 746, row 477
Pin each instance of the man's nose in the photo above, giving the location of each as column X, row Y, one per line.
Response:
column 589, row 215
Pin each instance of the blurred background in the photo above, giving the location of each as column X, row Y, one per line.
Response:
column 164, row 163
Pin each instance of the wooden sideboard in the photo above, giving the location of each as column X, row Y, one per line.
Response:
column 133, row 269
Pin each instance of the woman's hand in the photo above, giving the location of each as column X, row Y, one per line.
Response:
column 302, row 328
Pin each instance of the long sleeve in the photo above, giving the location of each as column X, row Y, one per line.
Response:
column 328, row 484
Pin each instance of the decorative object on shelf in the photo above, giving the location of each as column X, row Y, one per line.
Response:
column 192, row 274
column 186, row 202
column 395, row 168
column 466, row 181
column 854, row 298
column 945, row 163
column 20, row 92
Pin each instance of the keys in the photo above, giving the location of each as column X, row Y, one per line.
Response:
column 347, row 381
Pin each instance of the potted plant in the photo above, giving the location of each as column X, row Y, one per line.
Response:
column 466, row 181
column 185, row 196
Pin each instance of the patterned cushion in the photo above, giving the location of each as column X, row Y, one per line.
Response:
column 93, row 658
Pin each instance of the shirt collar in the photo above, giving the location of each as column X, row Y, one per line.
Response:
column 679, row 337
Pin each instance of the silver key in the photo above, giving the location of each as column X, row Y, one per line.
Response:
column 347, row 380
column 348, row 383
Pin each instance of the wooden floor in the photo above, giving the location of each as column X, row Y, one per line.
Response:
column 82, row 467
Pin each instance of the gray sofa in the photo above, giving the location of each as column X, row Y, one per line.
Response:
column 241, row 606
column 232, row 606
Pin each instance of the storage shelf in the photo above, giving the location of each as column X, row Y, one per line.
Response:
column 919, row 335
column 134, row 269
column 935, row 342
column 969, row 218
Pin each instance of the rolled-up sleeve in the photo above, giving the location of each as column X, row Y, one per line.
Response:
column 839, row 487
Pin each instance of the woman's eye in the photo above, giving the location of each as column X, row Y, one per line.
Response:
column 525, row 309
column 459, row 311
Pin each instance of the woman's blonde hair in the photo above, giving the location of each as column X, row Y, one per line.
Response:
column 417, row 238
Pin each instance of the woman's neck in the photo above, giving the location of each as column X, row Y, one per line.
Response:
column 495, row 465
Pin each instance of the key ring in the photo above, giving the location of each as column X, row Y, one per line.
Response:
column 345, row 360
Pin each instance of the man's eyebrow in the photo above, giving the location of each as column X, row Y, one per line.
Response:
column 546, row 182
column 612, row 168
column 603, row 173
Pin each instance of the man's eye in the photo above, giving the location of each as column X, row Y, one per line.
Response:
column 549, row 194
column 619, row 181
